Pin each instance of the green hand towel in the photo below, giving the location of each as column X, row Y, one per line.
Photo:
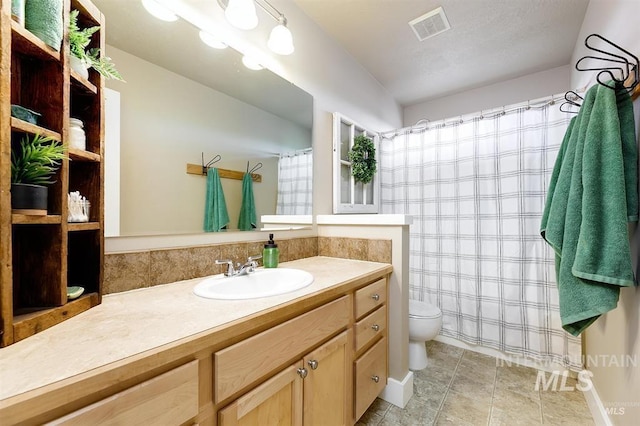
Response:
column 247, row 220
column 216, row 216
column 588, row 205
column 43, row 18
column 629, row 154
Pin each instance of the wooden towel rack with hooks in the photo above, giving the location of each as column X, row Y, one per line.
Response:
column 201, row 170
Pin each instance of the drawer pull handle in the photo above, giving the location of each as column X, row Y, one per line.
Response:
column 375, row 378
column 313, row 364
column 302, row 372
column 375, row 296
column 375, row 327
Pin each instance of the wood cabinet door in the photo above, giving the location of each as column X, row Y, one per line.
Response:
column 327, row 387
column 278, row 401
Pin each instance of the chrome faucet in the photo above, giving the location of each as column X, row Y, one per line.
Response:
column 239, row 269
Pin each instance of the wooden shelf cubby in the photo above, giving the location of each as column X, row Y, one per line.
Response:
column 24, row 42
column 40, row 256
column 18, row 125
column 83, row 84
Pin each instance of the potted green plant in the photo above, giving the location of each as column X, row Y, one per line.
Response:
column 82, row 58
column 33, row 163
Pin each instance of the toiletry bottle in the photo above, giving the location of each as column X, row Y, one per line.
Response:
column 270, row 254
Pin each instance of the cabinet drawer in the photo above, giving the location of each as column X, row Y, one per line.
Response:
column 371, row 326
column 245, row 362
column 170, row 398
column 370, row 297
column 369, row 366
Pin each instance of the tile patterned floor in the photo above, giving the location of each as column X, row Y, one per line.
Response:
column 465, row 388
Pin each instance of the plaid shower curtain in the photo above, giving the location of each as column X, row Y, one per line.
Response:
column 295, row 172
column 476, row 191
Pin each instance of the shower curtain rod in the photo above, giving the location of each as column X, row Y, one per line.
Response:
column 296, row 152
column 424, row 124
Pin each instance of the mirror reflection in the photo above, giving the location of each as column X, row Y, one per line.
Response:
column 184, row 101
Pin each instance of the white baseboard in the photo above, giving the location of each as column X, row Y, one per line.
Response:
column 397, row 392
column 598, row 412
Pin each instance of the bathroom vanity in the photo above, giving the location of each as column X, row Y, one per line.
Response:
column 163, row 355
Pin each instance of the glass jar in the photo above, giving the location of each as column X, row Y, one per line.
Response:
column 77, row 137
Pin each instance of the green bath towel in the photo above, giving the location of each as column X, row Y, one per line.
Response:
column 43, row 18
column 592, row 195
column 247, row 220
column 216, row 216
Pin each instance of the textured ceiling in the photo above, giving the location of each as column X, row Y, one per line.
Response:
column 489, row 41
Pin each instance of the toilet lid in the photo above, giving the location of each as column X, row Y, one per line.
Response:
column 418, row 309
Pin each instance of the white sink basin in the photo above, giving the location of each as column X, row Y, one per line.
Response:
column 261, row 283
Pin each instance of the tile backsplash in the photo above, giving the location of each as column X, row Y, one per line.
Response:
column 132, row 270
column 355, row 248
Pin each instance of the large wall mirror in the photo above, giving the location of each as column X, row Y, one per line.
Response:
column 183, row 100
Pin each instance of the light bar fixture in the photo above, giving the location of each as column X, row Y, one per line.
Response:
column 242, row 14
column 280, row 40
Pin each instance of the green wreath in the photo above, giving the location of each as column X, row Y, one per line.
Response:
column 363, row 159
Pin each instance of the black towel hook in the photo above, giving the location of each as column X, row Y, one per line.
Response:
column 571, row 99
column 254, row 169
column 214, row 160
column 586, row 43
column 566, row 109
column 625, row 72
column 600, row 77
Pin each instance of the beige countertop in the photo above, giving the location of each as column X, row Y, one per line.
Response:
column 130, row 323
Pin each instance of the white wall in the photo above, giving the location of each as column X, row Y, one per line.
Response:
column 112, row 163
column 529, row 87
column 616, row 334
column 167, row 121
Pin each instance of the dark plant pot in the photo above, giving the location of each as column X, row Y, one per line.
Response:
column 29, row 199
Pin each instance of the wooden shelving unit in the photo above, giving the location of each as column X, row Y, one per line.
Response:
column 88, row 226
column 41, row 255
column 20, row 219
column 22, row 41
column 82, row 83
column 78, row 155
column 18, row 125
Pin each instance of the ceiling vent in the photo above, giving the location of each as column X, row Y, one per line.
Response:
column 430, row 24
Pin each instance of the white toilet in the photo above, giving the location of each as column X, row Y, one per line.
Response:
column 425, row 321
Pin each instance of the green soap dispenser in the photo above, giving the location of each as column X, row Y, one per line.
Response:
column 270, row 254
